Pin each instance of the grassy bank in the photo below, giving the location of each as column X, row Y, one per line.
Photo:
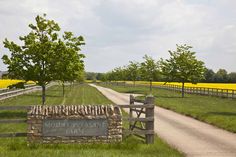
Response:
column 78, row 94
column 217, row 111
column 130, row 147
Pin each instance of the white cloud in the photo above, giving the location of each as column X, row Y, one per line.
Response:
column 117, row 31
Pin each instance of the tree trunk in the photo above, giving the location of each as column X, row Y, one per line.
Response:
column 63, row 89
column 70, row 85
column 182, row 89
column 150, row 85
column 43, row 94
column 134, row 83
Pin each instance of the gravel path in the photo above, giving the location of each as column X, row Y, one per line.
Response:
column 194, row 138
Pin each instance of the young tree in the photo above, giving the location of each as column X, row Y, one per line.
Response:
column 36, row 59
column 68, row 63
column 108, row 76
column 183, row 66
column 119, row 74
column 133, row 71
column 149, row 69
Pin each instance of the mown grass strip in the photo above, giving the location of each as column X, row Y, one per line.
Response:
column 130, row 147
column 75, row 94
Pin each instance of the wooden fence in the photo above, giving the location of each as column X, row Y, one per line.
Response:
column 141, row 118
column 5, row 93
column 17, row 92
column 7, row 121
column 4, row 90
column 216, row 92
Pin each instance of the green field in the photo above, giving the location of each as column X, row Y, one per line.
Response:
column 77, row 94
column 220, row 112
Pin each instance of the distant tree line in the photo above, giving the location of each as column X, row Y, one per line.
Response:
column 221, row 76
column 93, row 76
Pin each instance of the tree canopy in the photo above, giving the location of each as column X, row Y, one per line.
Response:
column 183, row 66
column 44, row 56
column 133, row 71
column 149, row 69
column 68, row 62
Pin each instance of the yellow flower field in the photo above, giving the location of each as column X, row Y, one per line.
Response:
column 4, row 83
column 230, row 86
column 91, row 81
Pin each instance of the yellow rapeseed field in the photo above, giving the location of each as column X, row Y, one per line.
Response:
column 6, row 82
column 230, row 86
column 91, row 81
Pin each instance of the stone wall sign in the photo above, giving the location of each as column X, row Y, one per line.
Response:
column 74, row 124
column 75, row 127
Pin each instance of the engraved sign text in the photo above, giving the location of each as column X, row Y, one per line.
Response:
column 75, row 127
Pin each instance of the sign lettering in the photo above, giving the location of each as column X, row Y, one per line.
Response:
column 75, row 127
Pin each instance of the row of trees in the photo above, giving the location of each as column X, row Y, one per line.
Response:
column 146, row 70
column 45, row 56
column 221, row 76
column 182, row 66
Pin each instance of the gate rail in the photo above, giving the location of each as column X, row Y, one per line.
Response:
column 7, row 121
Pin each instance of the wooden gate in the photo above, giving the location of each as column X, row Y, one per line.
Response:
column 141, row 118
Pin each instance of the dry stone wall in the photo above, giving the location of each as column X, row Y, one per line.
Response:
column 74, row 124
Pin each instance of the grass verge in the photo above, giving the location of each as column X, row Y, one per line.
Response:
column 77, row 94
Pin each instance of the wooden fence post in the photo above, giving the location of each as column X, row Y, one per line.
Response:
column 150, row 124
column 131, row 102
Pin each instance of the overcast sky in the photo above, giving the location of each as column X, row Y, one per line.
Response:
column 119, row 31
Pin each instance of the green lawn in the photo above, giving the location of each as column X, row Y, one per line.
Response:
column 220, row 112
column 78, row 94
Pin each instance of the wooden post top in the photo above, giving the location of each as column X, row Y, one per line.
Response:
column 149, row 99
